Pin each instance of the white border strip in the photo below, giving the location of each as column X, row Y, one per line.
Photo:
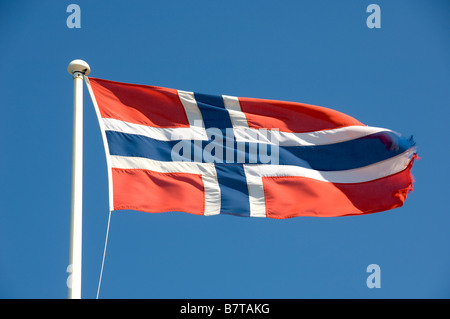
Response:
column 206, row 170
column 325, row 137
column 158, row 133
column 105, row 144
column 241, row 134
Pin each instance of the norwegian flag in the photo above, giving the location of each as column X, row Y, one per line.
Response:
column 172, row 150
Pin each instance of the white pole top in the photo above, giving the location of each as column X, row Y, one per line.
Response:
column 79, row 66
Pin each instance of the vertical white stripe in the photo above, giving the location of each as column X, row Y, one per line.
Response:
column 191, row 108
column 255, row 192
column 212, row 190
column 237, row 117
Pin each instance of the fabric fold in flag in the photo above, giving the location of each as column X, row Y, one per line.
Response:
column 170, row 150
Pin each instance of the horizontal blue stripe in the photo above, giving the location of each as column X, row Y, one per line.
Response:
column 140, row 146
column 351, row 154
column 339, row 156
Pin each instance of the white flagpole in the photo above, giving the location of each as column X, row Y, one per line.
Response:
column 77, row 68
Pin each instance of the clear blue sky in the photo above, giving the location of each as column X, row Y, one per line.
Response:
column 316, row 52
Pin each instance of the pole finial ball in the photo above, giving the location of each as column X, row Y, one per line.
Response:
column 78, row 66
